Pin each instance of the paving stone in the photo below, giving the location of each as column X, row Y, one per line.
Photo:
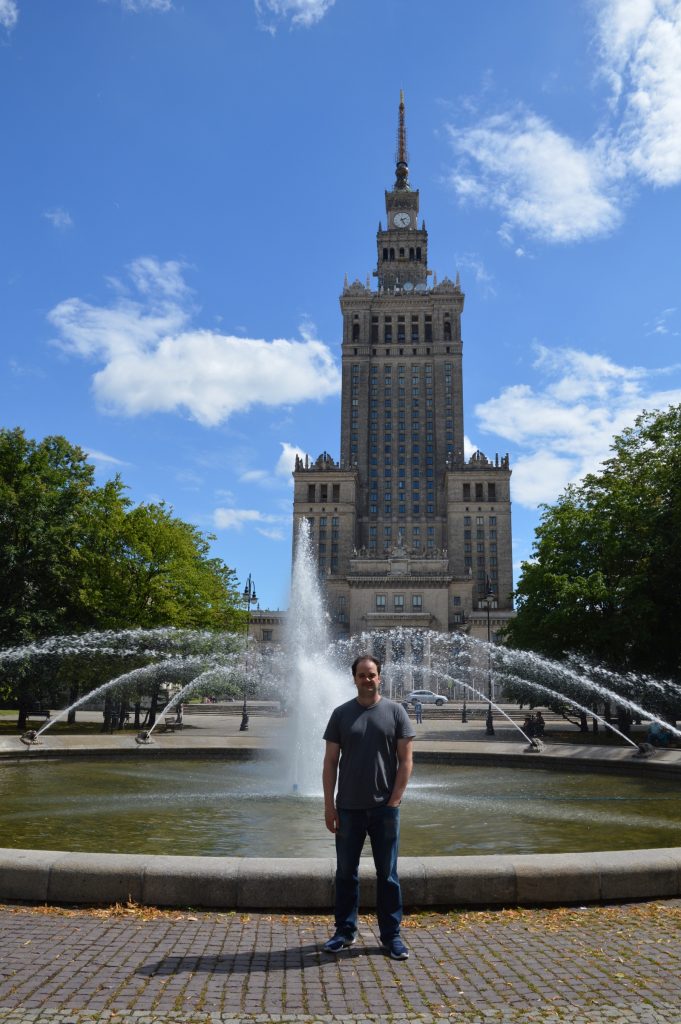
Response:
column 600, row 965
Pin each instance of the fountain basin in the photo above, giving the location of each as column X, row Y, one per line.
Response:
column 306, row 883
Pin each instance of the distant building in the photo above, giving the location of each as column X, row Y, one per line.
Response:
column 267, row 627
column 406, row 531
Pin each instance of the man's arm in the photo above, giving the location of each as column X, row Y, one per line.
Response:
column 405, row 763
column 329, row 775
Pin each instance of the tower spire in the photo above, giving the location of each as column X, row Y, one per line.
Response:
column 401, row 155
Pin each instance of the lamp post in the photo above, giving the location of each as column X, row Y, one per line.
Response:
column 489, row 721
column 249, row 598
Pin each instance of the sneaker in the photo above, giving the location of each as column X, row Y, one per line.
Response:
column 338, row 942
column 396, row 949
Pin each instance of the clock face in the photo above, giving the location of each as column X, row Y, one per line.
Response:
column 401, row 220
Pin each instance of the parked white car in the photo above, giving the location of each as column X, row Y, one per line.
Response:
column 426, row 697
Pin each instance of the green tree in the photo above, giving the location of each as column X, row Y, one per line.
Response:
column 604, row 577
column 45, row 490
column 77, row 557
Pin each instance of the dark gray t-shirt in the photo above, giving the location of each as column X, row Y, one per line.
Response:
column 368, row 741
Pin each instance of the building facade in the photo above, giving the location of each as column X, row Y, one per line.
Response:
column 407, row 531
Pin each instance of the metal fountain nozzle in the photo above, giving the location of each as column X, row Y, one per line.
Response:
column 644, row 750
column 30, row 738
column 143, row 737
column 535, row 746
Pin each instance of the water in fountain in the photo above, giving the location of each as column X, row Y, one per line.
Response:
column 316, row 683
column 224, row 672
column 134, row 676
column 554, row 695
column 313, row 676
column 524, row 662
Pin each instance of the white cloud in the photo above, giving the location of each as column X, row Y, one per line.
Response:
column 469, row 447
column 147, row 5
column 100, row 457
column 540, row 180
column 237, row 518
column 9, row 14
column 255, row 476
column 59, row 218
column 563, row 428
column 283, row 468
column 155, row 361
column 287, row 460
column 661, row 323
column 304, row 13
column 563, row 190
column 471, row 261
column 272, row 534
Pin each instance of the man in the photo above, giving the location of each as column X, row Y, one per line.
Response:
column 418, row 711
column 369, row 751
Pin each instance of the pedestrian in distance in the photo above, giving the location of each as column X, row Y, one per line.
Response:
column 369, row 742
column 418, row 711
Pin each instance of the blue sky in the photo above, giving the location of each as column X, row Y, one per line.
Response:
column 184, row 184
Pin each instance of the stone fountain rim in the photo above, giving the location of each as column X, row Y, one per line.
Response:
column 306, row 884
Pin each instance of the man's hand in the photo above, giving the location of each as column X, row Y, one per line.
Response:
column 331, row 819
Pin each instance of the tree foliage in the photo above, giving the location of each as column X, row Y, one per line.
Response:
column 604, row 577
column 75, row 556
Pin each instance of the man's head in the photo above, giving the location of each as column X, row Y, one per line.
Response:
column 366, row 657
column 366, row 671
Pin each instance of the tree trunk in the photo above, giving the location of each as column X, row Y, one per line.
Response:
column 583, row 724
column 138, row 713
column 122, row 712
column 24, row 709
column 153, row 708
column 624, row 721
column 108, row 714
column 73, row 697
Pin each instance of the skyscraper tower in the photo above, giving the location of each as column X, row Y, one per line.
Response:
column 407, row 532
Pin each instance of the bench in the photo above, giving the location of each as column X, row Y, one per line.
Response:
column 171, row 723
column 38, row 712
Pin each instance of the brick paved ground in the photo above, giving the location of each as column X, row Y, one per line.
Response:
column 585, row 966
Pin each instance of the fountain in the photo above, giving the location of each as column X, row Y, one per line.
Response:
column 313, row 676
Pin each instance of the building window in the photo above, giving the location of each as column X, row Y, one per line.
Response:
column 456, row 600
column 398, row 602
column 416, row 602
column 466, row 492
column 380, row 602
column 491, row 492
column 267, row 635
column 310, row 492
column 478, row 492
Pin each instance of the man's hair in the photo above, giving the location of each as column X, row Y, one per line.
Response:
column 366, row 657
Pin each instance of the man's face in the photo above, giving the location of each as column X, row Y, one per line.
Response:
column 367, row 679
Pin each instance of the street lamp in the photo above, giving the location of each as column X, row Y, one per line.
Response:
column 249, row 598
column 489, row 721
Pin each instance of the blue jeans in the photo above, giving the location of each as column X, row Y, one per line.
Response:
column 382, row 825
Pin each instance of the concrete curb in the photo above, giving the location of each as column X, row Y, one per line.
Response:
column 258, row 883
